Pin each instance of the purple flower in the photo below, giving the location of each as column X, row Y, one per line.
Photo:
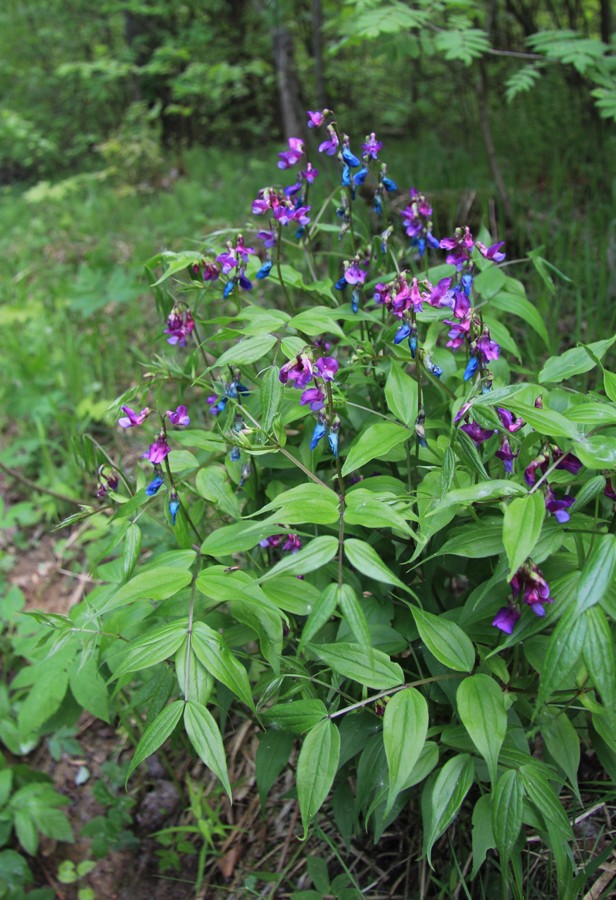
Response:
column 326, row 367
column 314, row 397
column 512, row 425
column 292, row 544
column 487, row 348
column 566, row 461
column 180, row 326
column 268, row 237
column 460, row 247
column 299, row 370
column 491, row 252
column 558, row 508
column 329, row 146
column 309, row 174
column 178, row 417
column 371, row 147
column 609, row 490
column 292, row 155
column 441, row 295
column 159, row 449
column 505, row 453
column 354, row 275
column 131, row 418
column 506, row 618
column 476, row 433
column 227, row 260
column 540, row 463
column 530, row 582
column 316, row 118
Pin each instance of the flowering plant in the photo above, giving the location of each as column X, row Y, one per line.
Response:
column 380, row 532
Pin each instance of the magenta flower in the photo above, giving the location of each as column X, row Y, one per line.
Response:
column 292, row 544
column 506, row 618
column 131, row 418
column 293, row 155
column 487, row 348
column 159, row 449
column 354, row 274
column 316, row 118
column 326, row 367
column 509, row 422
column 371, row 147
column 313, row 397
column 476, row 433
column 227, row 260
column 178, row 417
column 459, row 246
column 309, row 174
column 299, row 370
column 530, row 582
column 441, row 295
column 330, row 146
column 567, row 461
column 540, row 463
column 492, row 252
column 180, row 326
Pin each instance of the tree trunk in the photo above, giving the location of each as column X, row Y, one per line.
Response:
column 286, row 77
column 317, row 35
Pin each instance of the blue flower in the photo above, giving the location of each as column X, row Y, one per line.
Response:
column 228, row 289
column 389, row 184
column 317, row 434
column 155, row 485
column 174, row 505
column 471, row 368
column 360, row 176
column 265, row 269
column 332, row 440
column 341, row 284
column 350, row 158
column 413, row 345
column 346, row 176
column 467, row 284
column 234, row 455
column 402, row 333
column 377, row 206
column 355, row 300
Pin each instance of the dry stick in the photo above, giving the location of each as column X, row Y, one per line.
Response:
column 35, row 487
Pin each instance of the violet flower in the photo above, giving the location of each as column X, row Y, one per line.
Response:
column 159, row 449
column 316, row 118
column 131, row 418
column 492, row 252
column 313, row 397
column 293, row 155
column 557, row 507
column 371, row 147
column 506, row 618
column 179, row 417
column 299, row 370
column 509, row 422
column 506, row 454
column 326, row 367
column 476, row 433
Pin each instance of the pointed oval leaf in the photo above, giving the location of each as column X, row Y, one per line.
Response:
column 295, row 716
column 212, row 652
column 366, row 560
column 352, row 611
column 314, row 555
column 481, row 707
column 204, row 735
column 156, row 734
column 405, row 727
column 247, row 351
column 271, row 397
column 449, row 790
column 564, row 650
column 374, row 443
column 445, row 640
column 316, row 767
column 159, row 583
column 599, row 655
column 507, row 810
column 522, row 525
column 401, row 395
column 152, row 648
column 374, row 669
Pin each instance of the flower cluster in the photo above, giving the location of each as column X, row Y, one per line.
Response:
column 235, row 389
column 108, row 480
column 528, row 585
column 289, row 543
column 553, row 457
column 417, row 222
column 300, row 372
column 233, row 262
column 180, row 325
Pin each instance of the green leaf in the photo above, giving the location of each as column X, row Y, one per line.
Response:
column 366, row 560
column 401, row 395
column 364, row 507
column 354, row 615
column 213, row 484
column 483, row 834
column 481, row 707
column 374, row 443
column 247, row 351
column 238, row 537
column 271, row 758
column 312, row 503
column 564, row 649
column 182, row 461
column 522, row 525
column 563, row 745
column 214, row 655
column 159, row 583
column 449, row 790
column 507, row 811
column 317, row 320
column 405, row 727
column 609, row 384
column 445, row 640
column 295, row 716
column 545, row 799
column 313, row 556
column 573, row 362
column 321, row 613
column 520, row 306
column 484, row 490
column 597, row 451
column 156, row 734
column 599, row 656
column 592, row 413
column 132, row 549
column 475, row 541
column 89, row 689
column 316, row 767
column 152, row 648
column 464, row 45
column 206, row 740
column 375, row 670
column 598, row 573
column 271, row 397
